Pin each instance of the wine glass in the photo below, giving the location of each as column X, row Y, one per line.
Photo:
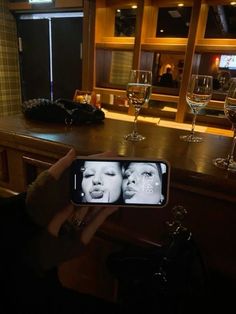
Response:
column 229, row 163
column 138, row 92
column 199, row 93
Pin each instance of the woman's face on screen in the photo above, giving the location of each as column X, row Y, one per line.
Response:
column 102, row 181
column 141, row 183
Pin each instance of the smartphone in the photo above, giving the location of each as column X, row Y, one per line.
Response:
column 119, row 181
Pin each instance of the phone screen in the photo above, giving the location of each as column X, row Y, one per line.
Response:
column 122, row 182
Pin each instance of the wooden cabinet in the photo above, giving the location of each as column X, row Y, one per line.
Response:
column 208, row 193
column 4, row 171
column 19, row 168
column 3, row 165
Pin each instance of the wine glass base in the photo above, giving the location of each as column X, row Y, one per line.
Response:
column 191, row 138
column 134, row 137
column 224, row 163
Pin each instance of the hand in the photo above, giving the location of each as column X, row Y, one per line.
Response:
column 83, row 220
column 92, row 216
column 50, row 192
column 48, row 200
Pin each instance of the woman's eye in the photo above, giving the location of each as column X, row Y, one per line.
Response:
column 88, row 174
column 147, row 174
column 110, row 173
column 126, row 175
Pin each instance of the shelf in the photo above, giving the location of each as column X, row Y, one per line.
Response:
column 216, row 45
column 164, row 44
column 163, row 47
column 114, row 46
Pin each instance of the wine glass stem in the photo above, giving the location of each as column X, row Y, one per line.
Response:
column 193, row 124
column 135, row 130
column 231, row 155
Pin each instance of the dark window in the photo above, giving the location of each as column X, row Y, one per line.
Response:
column 221, row 22
column 173, row 22
column 125, row 22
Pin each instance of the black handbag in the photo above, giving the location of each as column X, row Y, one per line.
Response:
column 166, row 279
column 61, row 111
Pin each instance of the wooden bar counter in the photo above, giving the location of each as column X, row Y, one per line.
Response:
column 208, row 193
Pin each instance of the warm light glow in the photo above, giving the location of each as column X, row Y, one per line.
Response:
column 233, row 2
column 180, row 4
column 161, row 30
column 217, row 60
column 134, row 6
column 118, row 10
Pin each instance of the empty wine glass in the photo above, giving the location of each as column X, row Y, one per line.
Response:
column 138, row 93
column 229, row 163
column 199, row 93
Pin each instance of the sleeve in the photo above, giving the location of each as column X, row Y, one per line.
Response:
column 46, row 196
column 25, row 241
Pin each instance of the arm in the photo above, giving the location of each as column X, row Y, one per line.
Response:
column 48, row 205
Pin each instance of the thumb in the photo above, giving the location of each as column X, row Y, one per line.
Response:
column 62, row 164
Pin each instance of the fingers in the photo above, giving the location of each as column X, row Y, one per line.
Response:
column 55, row 183
column 61, row 216
column 81, row 212
column 91, row 228
column 58, row 220
column 86, row 220
column 59, row 167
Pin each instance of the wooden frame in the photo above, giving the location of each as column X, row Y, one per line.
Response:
column 146, row 40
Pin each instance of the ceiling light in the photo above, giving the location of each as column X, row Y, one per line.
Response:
column 174, row 13
column 134, row 6
column 233, row 2
column 180, row 4
column 40, row 1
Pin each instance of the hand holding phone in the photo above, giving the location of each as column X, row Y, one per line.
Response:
column 119, row 181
